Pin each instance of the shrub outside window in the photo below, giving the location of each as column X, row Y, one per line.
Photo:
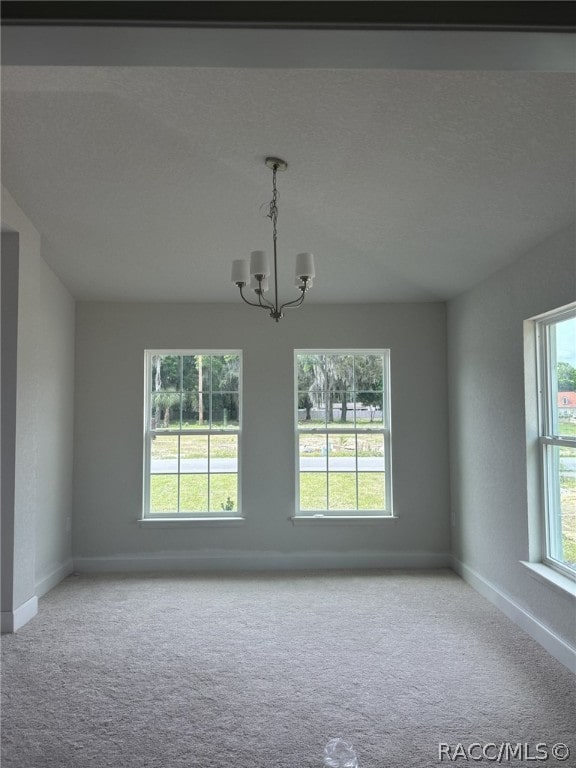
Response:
column 192, row 433
column 343, row 433
column 556, row 333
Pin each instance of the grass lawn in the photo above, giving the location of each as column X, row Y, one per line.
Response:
column 568, row 507
column 196, row 494
column 337, row 491
column 195, row 446
column 316, row 492
column 568, row 549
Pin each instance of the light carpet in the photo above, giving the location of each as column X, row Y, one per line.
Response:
column 259, row 671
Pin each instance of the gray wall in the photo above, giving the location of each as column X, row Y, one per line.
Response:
column 54, row 367
column 110, row 342
column 44, row 417
column 9, row 315
column 488, row 436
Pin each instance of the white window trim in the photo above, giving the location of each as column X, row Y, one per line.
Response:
column 321, row 517
column 175, row 522
column 546, row 567
column 165, row 520
column 327, row 518
column 551, row 577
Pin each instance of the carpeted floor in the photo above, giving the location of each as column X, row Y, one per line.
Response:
column 260, row 671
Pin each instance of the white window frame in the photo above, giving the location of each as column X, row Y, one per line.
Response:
column 548, row 440
column 236, row 514
column 384, row 430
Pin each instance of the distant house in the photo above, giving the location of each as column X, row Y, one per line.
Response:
column 567, row 405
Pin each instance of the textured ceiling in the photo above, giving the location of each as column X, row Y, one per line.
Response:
column 145, row 182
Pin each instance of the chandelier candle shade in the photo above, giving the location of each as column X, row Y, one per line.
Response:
column 257, row 273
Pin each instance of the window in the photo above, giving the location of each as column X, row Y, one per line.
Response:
column 556, row 354
column 192, row 434
column 343, row 433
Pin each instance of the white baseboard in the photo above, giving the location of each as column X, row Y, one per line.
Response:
column 259, row 561
column 11, row 621
column 555, row 646
column 46, row 583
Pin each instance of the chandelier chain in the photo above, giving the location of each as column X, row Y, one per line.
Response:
column 273, row 207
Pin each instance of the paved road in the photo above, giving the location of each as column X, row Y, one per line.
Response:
column 168, row 466
column 307, row 464
column 341, row 464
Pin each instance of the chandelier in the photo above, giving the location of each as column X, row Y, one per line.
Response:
column 257, row 273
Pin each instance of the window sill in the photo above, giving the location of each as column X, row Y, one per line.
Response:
column 551, row 578
column 175, row 522
column 341, row 519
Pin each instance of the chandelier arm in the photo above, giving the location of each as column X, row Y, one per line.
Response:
column 252, row 303
column 294, row 304
column 265, row 303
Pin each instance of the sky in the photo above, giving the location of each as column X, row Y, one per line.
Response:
column 566, row 341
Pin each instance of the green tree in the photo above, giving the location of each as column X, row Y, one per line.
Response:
column 368, row 374
column 163, row 403
column 340, row 371
column 306, row 379
column 566, row 376
column 225, row 382
column 305, row 402
column 166, row 374
column 327, row 380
